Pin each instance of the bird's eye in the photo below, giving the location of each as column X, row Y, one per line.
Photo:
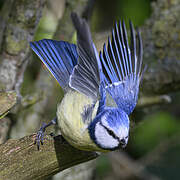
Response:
column 110, row 132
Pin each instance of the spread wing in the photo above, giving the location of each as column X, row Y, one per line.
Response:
column 73, row 66
column 122, row 66
column 59, row 57
column 86, row 75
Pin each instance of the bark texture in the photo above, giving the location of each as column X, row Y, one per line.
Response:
column 21, row 160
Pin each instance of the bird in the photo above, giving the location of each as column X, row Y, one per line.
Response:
column 89, row 79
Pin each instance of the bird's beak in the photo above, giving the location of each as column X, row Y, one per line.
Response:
column 122, row 143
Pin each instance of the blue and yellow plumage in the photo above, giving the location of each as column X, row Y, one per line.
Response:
column 84, row 117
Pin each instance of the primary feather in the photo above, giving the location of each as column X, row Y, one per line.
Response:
column 86, row 76
column 122, row 67
column 59, row 57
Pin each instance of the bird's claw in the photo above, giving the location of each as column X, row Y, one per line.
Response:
column 40, row 136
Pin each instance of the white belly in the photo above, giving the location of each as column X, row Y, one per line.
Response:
column 70, row 120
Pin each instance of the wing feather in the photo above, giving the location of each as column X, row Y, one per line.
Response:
column 59, row 57
column 85, row 77
column 122, row 66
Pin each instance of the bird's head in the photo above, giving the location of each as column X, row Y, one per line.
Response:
column 110, row 129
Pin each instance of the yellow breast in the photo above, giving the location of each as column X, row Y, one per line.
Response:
column 73, row 129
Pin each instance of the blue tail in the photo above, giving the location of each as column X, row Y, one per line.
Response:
column 59, row 57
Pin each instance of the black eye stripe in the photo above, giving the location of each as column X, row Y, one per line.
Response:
column 110, row 132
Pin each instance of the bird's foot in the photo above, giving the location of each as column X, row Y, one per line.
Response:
column 40, row 136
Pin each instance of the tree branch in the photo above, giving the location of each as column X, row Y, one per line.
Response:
column 19, row 20
column 65, row 29
column 161, row 48
column 19, row 26
column 20, row 159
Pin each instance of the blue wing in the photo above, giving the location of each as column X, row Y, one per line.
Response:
column 59, row 57
column 73, row 66
column 122, row 67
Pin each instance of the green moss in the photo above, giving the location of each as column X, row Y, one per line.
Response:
column 24, row 13
column 14, row 44
column 7, row 101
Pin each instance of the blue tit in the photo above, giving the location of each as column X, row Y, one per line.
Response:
column 84, row 117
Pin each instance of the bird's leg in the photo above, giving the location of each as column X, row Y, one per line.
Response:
column 40, row 133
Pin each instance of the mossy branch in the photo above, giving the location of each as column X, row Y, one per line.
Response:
column 19, row 23
column 7, row 100
column 20, row 159
column 161, row 48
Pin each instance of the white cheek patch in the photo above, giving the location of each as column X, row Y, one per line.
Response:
column 103, row 138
